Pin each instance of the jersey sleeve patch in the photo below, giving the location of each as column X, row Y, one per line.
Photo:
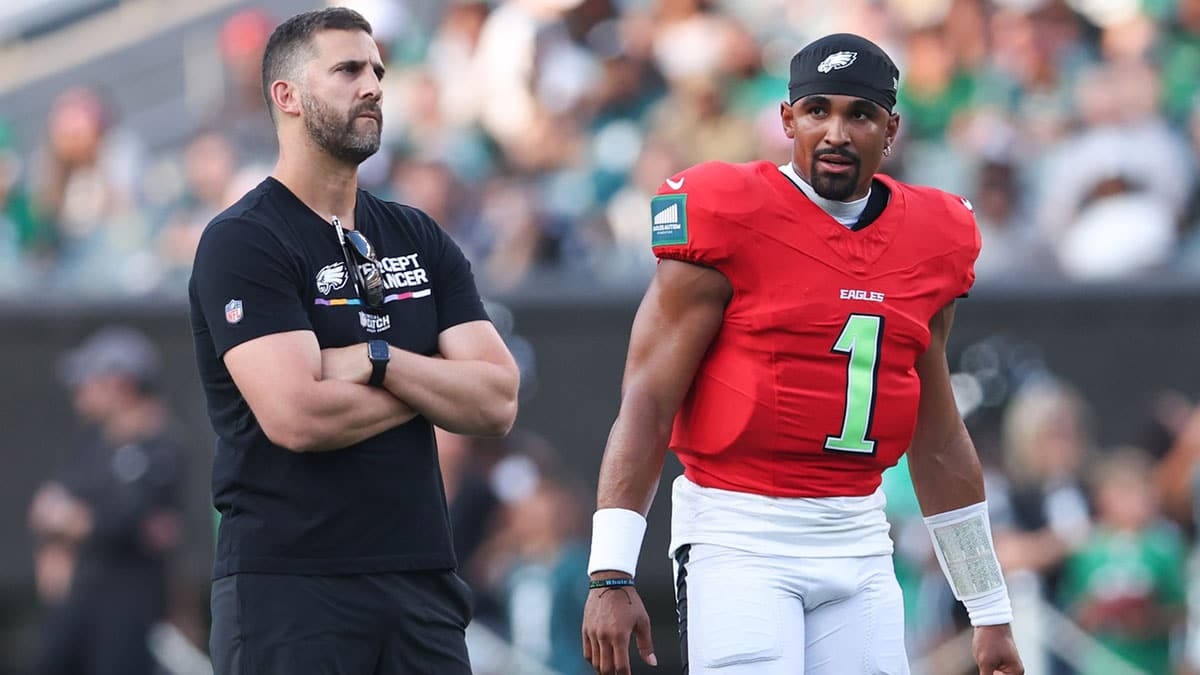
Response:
column 669, row 220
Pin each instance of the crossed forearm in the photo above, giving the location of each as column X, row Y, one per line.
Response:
column 345, row 413
column 465, row 397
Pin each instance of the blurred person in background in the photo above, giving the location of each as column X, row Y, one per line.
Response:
column 1093, row 186
column 1189, row 220
column 450, row 59
column 333, row 331
column 1052, row 49
column 475, row 507
column 702, row 53
column 528, row 559
column 210, row 168
column 1178, row 474
column 629, row 84
column 477, row 485
column 789, row 318
column 531, row 74
column 88, row 168
column 107, row 525
column 240, row 113
column 628, row 253
column 424, row 131
column 1179, row 54
column 25, row 240
column 85, row 181
column 1047, row 440
column 689, row 38
column 436, row 119
column 1125, row 582
column 935, row 87
column 1129, row 37
column 1012, row 249
column 543, row 557
column 936, row 96
column 431, row 186
column 516, row 235
column 1177, row 482
column 696, row 120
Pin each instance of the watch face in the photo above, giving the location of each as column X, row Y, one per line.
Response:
column 378, row 350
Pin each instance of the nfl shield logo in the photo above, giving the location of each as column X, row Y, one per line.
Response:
column 233, row 311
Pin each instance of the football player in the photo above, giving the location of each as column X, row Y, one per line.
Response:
column 792, row 346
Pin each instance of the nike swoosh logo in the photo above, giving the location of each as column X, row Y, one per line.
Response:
column 676, row 184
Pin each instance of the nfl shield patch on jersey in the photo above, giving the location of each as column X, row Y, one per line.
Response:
column 233, row 311
column 668, row 220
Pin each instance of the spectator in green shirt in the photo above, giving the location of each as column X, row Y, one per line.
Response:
column 1125, row 584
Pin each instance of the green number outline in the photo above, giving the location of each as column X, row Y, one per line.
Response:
column 862, row 376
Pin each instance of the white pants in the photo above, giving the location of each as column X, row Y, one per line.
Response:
column 748, row 614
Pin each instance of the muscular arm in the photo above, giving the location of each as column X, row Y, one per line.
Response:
column 945, row 469
column 280, row 376
column 471, row 390
column 947, row 476
column 676, row 322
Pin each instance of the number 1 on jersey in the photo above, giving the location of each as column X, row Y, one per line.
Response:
column 860, row 340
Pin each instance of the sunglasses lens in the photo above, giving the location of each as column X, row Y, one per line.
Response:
column 366, row 274
column 361, row 245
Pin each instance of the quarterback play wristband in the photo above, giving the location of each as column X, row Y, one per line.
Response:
column 962, row 540
column 616, row 540
column 609, row 583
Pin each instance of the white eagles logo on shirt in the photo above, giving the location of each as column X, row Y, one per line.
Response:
column 837, row 61
column 331, row 277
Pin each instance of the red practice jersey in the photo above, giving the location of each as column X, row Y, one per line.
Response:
column 810, row 387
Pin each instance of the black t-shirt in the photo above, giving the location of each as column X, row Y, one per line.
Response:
column 123, row 484
column 269, row 264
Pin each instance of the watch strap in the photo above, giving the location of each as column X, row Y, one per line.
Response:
column 378, row 365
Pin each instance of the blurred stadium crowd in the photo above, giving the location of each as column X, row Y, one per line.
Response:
column 535, row 132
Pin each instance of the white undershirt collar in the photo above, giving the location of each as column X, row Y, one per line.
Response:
column 846, row 213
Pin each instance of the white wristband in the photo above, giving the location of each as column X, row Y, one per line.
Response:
column 962, row 540
column 616, row 540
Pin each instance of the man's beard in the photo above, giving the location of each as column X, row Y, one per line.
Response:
column 839, row 187
column 337, row 135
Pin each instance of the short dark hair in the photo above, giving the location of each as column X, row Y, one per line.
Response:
column 293, row 37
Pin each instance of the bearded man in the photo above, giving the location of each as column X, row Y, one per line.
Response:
column 332, row 331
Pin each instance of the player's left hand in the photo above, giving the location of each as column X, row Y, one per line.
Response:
column 996, row 652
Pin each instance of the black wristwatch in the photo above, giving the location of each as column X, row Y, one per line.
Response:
column 380, row 353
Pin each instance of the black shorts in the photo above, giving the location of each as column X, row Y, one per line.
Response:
column 370, row 624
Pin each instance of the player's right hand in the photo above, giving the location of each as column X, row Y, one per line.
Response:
column 610, row 616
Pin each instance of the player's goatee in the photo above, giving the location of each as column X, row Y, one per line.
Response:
column 338, row 135
column 835, row 187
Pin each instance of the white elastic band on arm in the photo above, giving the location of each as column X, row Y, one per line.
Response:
column 616, row 540
column 962, row 539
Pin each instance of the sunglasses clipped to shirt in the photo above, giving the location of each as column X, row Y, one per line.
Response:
column 361, row 264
